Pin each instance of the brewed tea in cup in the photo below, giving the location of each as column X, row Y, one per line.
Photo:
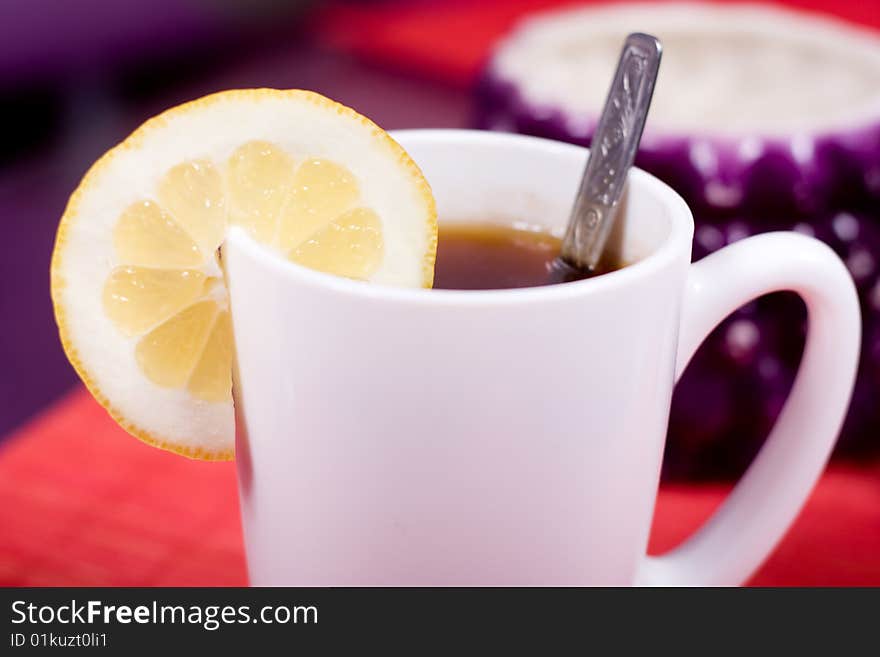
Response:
column 487, row 255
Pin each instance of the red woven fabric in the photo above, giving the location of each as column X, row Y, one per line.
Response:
column 82, row 503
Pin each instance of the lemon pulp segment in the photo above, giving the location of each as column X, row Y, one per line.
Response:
column 308, row 210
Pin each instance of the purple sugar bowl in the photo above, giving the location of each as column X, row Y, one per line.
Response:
column 825, row 182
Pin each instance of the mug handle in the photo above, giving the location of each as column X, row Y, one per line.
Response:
column 751, row 521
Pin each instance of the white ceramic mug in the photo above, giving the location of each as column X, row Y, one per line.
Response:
column 513, row 437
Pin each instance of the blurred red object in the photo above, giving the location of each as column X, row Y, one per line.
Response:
column 86, row 505
column 450, row 40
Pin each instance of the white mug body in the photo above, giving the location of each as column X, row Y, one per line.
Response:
column 402, row 437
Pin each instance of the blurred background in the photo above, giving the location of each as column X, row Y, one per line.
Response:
column 76, row 78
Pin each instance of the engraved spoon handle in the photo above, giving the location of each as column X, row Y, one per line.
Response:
column 612, row 152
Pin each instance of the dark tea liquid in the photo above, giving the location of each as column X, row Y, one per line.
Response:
column 484, row 256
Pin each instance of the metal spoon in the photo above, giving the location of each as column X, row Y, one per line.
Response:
column 612, row 152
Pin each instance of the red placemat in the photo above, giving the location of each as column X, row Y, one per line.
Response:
column 450, row 39
column 82, row 503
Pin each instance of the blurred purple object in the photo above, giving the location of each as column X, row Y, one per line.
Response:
column 764, row 177
column 47, row 38
column 786, row 160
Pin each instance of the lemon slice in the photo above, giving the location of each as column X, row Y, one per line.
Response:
column 137, row 286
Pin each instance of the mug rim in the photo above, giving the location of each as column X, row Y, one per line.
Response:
column 678, row 239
